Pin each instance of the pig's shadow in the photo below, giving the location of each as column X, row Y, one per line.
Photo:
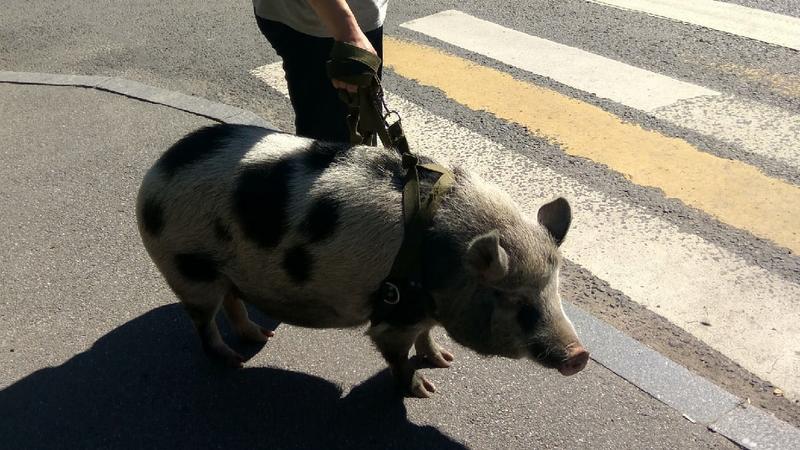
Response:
column 137, row 388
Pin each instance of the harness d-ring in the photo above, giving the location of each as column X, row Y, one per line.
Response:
column 392, row 297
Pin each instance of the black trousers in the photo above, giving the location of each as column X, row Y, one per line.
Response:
column 319, row 113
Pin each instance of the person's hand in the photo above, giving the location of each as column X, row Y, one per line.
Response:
column 343, row 26
column 359, row 40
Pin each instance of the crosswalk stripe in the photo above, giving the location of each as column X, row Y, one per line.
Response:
column 680, row 276
column 752, row 23
column 754, row 127
column 735, row 193
column 678, row 102
column 607, row 78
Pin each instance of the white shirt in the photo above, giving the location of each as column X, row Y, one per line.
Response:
column 298, row 14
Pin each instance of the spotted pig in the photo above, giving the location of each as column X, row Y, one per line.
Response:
column 306, row 232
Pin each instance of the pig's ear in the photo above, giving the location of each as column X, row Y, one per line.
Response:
column 555, row 217
column 486, row 258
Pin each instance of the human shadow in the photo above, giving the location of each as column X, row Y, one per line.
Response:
column 136, row 388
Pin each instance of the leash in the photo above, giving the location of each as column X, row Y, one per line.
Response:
column 401, row 299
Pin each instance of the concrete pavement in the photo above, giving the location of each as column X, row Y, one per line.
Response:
column 94, row 352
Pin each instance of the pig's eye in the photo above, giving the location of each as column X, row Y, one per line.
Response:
column 527, row 317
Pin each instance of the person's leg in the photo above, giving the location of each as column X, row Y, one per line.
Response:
column 376, row 39
column 319, row 113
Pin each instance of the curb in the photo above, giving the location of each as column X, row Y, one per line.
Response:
column 135, row 90
column 699, row 400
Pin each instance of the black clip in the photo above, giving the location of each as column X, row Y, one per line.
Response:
column 397, row 137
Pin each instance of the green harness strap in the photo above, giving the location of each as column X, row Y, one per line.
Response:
column 359, row 67
column 365, row 119
column 418, row 215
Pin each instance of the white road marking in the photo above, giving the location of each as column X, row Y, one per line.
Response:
column 734, row 19
column 757, row 128
column 752, row 126
column 754, row 315
column 607, row 78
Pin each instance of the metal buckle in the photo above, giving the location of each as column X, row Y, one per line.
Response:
column 389, row 114
column 391, row 296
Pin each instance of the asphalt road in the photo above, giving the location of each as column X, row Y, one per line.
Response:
column 209, row 50
column 97, row 354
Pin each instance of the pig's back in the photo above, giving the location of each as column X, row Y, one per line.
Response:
column 297, row 226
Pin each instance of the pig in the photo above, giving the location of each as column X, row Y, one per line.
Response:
column 307, row 231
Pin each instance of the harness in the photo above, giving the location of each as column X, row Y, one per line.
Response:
column 401, row 299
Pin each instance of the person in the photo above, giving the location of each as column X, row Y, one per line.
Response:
column 302, row 32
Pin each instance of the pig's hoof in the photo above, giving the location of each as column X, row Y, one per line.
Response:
column 439, row 358
column 236, row 362
column 255, row 333
column 226, row 356
column 421, row 387
column 232, row 360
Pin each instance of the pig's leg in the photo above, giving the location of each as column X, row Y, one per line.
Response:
column 430, row 350
column 394, row 344
column 237, row 316
column 202, row 303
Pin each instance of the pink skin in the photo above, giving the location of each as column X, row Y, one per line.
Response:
column 360, row 41
column 342, row 25
column 577, row 357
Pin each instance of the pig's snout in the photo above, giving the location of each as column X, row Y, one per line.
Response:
column 577, row 357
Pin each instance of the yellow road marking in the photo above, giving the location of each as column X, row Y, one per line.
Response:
column 735, row 193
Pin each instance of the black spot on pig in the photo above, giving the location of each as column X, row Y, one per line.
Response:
column 152, row 216
column 528, row 317
column 221, row 231
column 321, row 155
column 199, row 267
column 297, row 263
column 260, row 200
column 322, row 219
column 207, row 141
